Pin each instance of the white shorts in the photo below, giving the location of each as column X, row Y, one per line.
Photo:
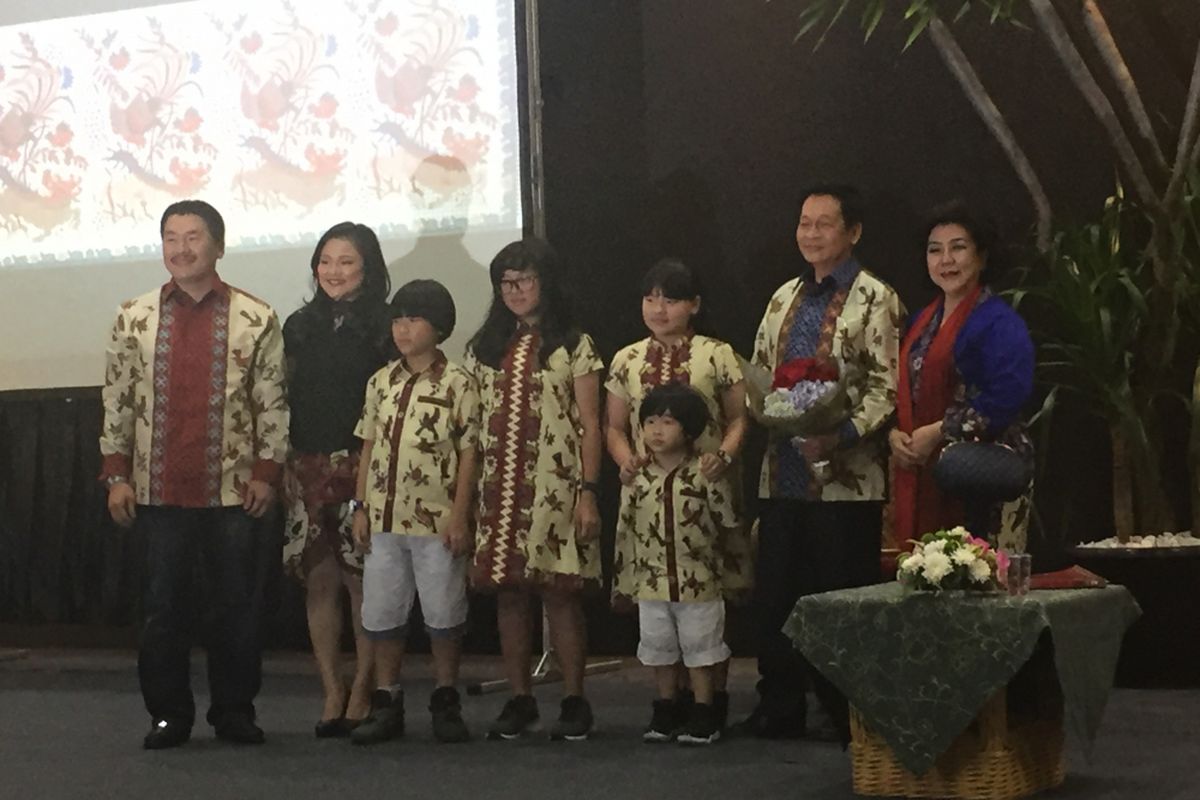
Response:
column 401, row 567
column 694, row 630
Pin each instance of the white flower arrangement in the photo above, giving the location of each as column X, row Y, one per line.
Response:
column 952, row 559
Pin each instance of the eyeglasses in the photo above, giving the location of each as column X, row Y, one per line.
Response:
column 821, row 226
column 521, row 284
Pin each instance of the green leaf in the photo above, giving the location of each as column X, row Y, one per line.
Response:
column 841, row 9
column 917, row 30
column 1135, row 294
column 1106, row 325
column 871, row 16
column 810, row 17
column 1047, row 407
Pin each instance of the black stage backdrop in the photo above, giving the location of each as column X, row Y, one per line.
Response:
column 686, row 129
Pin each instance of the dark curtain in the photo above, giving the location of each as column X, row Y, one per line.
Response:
column 64, row 565
column 61, row 558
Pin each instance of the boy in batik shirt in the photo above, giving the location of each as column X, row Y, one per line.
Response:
column 673, row 522
column 419, row 427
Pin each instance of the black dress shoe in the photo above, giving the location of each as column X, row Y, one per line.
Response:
column 239, row 728
column 165, row 734
column 762, row 725
column 827, row 732
column 338, row 728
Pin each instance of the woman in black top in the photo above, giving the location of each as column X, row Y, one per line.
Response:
column 334, row 344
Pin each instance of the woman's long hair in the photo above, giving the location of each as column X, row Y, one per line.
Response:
column 376, row 285
column 368, row 310
column 556, row 318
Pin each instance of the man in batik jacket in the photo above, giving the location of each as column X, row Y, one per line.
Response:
column 822, row 496
column 194, row 437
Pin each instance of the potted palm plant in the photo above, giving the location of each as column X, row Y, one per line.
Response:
column 1091, row 313
column 1116, row 299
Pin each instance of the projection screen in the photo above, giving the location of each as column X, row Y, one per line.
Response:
column 288, row 116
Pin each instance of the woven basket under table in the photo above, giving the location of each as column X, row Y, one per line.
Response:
column 988, row 761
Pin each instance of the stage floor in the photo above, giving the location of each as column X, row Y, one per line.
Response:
column 71, row 724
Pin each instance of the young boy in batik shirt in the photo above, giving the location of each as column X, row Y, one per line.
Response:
column 674, row 520
column 419, row 426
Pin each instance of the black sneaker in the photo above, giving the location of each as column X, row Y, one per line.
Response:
column 386, row 720
column 701, row 726
column 574, row 720
column 685, row 698
column 664, row 722
column 520, row 715
column 446, row 708
column 721, row 709
column 165, row 733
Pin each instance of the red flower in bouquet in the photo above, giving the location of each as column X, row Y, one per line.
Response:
column 789, row 373
column 803, row 397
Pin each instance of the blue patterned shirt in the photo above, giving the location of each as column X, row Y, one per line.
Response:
column 802, row 340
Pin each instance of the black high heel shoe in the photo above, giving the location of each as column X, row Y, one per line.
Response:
column 337, row 728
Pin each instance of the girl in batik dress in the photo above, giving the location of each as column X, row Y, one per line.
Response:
column 538, row 527
column 676, row 353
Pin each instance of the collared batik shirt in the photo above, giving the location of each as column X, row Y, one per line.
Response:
column 672, row 526
column 417, row 423
column 858, row 324
column 707, row 365
column 710, row 367
column 194, row 398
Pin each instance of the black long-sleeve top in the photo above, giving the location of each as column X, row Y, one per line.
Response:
column 332, row 350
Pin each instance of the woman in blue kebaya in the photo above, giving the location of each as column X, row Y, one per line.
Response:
column 966, row 372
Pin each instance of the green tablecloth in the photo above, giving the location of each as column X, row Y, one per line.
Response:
column 920, row 665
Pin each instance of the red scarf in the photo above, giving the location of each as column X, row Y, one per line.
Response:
column 918, row 506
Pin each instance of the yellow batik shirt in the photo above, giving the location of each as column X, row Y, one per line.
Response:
column 671, row 526
column 707, row 365
column 417, row 424
column 245, row 427
column 862, row 331
column 710, row 367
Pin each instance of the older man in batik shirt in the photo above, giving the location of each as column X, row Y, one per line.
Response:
column 822, row 496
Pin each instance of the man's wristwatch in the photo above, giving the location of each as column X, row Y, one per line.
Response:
column 113, row 480
column 356, row 505
column 726, row 459
column 590, row 486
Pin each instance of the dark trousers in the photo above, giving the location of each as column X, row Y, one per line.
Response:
column 806, row 548
column 225, row 544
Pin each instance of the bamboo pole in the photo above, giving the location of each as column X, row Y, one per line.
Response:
column 1098, row 28
column 1188, row 147
column 1122, row 485
column 958, row 64
column 1068, row 53
column 1194, row 453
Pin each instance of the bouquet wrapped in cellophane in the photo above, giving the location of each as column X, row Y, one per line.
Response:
column 802, row 397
